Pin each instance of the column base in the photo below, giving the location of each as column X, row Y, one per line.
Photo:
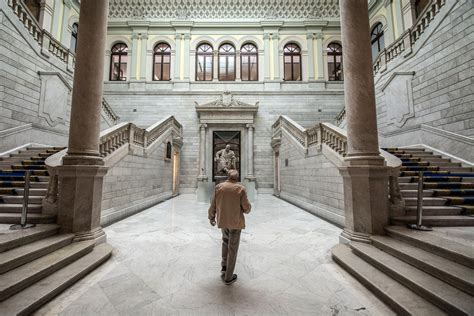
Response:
column 249, row 183
column 204, row 189
column 96, row 234
column 348, row 235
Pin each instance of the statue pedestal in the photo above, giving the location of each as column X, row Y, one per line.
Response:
column 249, row 183
column 204, row 189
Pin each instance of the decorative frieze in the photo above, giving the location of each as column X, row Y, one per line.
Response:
column 224, row 9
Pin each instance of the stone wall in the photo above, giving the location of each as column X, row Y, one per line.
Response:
column 146, row 107
column 35, row 88
column 135, row 183
column 433, row 86
column 311, row 182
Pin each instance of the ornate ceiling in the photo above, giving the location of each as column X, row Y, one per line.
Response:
column 224, row 9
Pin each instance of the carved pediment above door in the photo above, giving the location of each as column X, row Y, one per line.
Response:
column 226, row 110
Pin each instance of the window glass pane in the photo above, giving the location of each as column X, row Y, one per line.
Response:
column 296, row 59
column 296, row 71
column 200, row 68
column 287, row 72
column 287, row 59
column 208, row 68
column 166, row 72
column 331, row 71
column 157, row 71
column 244, row 72
column 231, row 68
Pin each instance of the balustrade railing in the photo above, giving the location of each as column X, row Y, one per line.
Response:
column 406, row 41
column 334, row 137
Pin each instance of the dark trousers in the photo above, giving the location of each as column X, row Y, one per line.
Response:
column 230, row 246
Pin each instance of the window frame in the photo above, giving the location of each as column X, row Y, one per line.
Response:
column 333, row 53
column 376, row 38
column 74, row 34
column 120, row 54
column 248, row 55
column 292, row 54
column 205, row 54
column 162, row 55
column 226, row 55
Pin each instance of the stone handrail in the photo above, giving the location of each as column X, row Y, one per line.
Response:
column 335, row 138
column 109, row 113
column 341, row 117
column 112, row 139
column 405, row 43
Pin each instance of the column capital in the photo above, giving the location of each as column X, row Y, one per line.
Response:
column 135, row 36
column 250, row 126
column 266, row 36
column 310, row 36
column 319, row 36
column 144, row 36
column 275, row 36
column 177, row 36
column 203, row 126
column 67, row 3
column 187, row 36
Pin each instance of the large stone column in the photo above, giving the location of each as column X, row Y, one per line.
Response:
column 266, row 52
column 365, row 177
column 82, row 172
column 250, row 178
column 309, row 38
column 390, row 25
column 320, row 54
column 177, row 58
column 65, row 35
column 144, row 65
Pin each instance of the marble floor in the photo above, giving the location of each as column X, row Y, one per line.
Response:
column 167, row 262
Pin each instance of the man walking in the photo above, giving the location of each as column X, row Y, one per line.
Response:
column 228, row 207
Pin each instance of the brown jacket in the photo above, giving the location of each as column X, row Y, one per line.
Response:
column 229, row 204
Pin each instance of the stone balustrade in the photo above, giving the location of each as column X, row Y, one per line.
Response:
column 334, row 137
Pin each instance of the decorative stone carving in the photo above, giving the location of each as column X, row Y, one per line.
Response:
column 224, row 9
column 55, row 92
column 399, row 98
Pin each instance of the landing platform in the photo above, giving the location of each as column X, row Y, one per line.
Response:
column 167, row 262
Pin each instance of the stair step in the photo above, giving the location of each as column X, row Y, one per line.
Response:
column 26, row 275
column 437, row 292
column 458, row 169
column 21, row 184
column 29, row 300
column 435, row 210
column 401, row 299
column 17, row 199
column 449, row 271
column 14, row 218
column 414, row 193
column 436, row 220
column 17, row 238
column 17, row 208
column 427, row 201
column 27, row 253
column 437, row 185
column 434, row 243
column 20, row 191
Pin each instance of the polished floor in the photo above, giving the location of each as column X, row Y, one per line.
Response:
column 167, row 262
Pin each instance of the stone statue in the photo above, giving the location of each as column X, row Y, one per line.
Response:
column 225, row 159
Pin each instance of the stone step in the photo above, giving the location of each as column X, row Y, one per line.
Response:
column 21, row 184
column 27, row 253
column 17, row 238
column 414, row 193
column 427, row 201
column 430, row 241
column 432, row 185
column 401, row 299
column 33, row 178
column 436, row 220
column 30, row 299
column 22, row 277
column 17, row 208
column 458, row 169
column 404, row 149
column 449, row 271
column 21, row 191
column 437, row 292
column 435, row 210
column 428, row 179
column 14, row 218
column 17, row 199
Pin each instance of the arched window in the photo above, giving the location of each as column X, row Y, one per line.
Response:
column 377, row 40
column 292, row 62
column 226, row 62
column 420, row 6
column 34, row 6
column 118, row 62
column 75, row 29
column 204, row 56
column 334, row 52
column 249, row 62
column 161, row 62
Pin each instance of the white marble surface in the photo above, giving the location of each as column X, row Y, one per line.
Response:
column 167, row 262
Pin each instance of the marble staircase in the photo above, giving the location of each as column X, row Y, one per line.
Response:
column 416, row 273
column 448, row 188
column 37, row 263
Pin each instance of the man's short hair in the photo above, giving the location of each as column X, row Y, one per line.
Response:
column 233, row 175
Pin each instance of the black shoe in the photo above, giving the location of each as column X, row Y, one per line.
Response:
column 234, row 278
